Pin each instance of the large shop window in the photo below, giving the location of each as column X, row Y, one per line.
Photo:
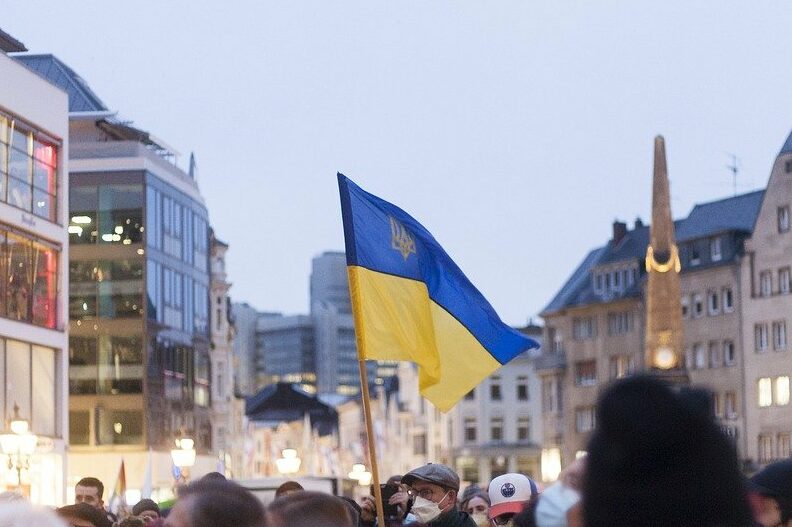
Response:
column 31, row 383
column 28, row 279
column 28, row 169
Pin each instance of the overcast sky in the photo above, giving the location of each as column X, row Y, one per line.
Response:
column 515, row 131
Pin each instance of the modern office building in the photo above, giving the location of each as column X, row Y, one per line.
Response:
column 139, row 364
column 33, row 275
column 317, row 351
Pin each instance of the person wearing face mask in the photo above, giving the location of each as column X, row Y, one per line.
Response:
column 476, row 503
column 509, row 494
column 434, row 488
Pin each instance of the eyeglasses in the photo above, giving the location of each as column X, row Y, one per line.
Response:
column 502, row 519
column 425, row 493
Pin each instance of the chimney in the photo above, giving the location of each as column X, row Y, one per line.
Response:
column 619, row 231
column 638, row 222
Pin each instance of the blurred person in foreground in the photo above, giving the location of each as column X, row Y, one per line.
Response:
column 20, row 513
column 309, row 509
column 215, row 503
column 657, row 457
column 84, row 515
column 771, row 494
column 288, row 487
column 509, row 494
column 434, row 489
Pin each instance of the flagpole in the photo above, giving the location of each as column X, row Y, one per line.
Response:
column 372, row 441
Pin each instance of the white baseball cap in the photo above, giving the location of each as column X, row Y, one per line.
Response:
column 509, row 493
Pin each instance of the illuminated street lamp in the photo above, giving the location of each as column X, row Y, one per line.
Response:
column 184, row 455
column 289, row 463
column 360, row 474
column 18, row 444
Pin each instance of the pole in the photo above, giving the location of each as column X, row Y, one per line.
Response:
column 372, row 441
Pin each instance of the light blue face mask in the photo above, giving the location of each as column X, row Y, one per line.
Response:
column 554, row 503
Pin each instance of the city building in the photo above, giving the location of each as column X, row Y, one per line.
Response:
column 318, row 351
column 221, row 358
column 497, row 427
column 767, row 305
column 596, row 323
column 33, row 277
column 139, row 362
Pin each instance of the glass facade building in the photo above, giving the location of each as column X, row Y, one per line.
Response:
column 139, row 307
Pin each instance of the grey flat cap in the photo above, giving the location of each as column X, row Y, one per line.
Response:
column 433, row 473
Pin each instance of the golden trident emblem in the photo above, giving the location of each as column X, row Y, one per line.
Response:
column 401, row 239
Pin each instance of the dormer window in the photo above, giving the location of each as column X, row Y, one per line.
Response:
column 695, row 257
column 715, row 249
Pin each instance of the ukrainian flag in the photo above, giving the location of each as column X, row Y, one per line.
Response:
column 411, row 302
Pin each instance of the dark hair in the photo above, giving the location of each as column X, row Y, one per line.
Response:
column 657, row 457
column 85, row 512
column 131, row 521
column 310, row 509
column 474, row 494
column 217, row 503
column 214, row 476
column 289, row 486
column 145, row 504
column 92, row 482
column 527, row 516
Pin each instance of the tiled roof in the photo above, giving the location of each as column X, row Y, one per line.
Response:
column 737, row 214
column 81, row 97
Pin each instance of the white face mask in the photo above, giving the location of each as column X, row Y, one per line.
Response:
column 481, row 519
column 426, row 510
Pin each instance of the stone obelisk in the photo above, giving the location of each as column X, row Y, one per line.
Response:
column 664, row 354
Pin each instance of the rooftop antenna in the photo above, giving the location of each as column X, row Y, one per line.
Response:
column 734, row 168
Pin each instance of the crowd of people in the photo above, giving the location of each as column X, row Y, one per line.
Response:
column 657, row 458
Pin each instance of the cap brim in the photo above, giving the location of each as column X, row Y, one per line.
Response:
column 509, row 507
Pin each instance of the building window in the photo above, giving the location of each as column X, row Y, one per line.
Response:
column 783, row 219
column 779, row 335
column 584, row 419
column 523, row 429
column 765, row 443
column 765, row 392
column 783, row 280
column 495, row 389
column 715, row 249
column 470, row 429
column 761, row 337
column 548, row 393
column 522, row 388
column 28, row 169
column 621, row 366
column 620, row 323
column 714, row 355
column 698, row 305
column 782, row 390
column 766, row 283
column 713, row 302
column 695, row 257
column 584, row 328
column 783, row 446
column 730, row 409
column 586, row 373
column 699, row 356
column 728, row 300
column 496, row 429
column 729, row 358
column 685, row 306
column 716, row 405
column 419, row 444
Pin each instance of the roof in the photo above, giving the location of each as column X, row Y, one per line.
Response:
column 735, row 214
column 287, row 402
column 9, row 44
column 787, row 148
column 81, row 97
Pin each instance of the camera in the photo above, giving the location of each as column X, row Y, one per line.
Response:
column 388, row 511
